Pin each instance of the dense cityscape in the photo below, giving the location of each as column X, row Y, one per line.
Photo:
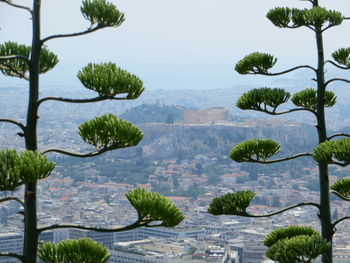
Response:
column 159, row 151
column 96, row 198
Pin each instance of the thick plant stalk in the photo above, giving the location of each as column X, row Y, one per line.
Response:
column 30, row 245
column 325, row 211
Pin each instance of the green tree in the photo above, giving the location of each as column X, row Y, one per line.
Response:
column 296, row 246
column 104, row 133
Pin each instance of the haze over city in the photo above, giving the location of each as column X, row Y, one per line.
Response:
column 172, row 44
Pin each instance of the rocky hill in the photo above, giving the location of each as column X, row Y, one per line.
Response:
column 185, row 140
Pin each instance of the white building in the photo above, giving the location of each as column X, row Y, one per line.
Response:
column 159, row 232
column 148, row 251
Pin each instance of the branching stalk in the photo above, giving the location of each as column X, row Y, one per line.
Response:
column 336, row 79
column 87, row 31
column 338, row 135
column 97, row 229
column 12, row 255
column 280, row 160
column 287, row 111
column 327, row 27
column 284, row 209
column 96, row 99
column 340, row 220
column 284, row 72
column 336, row 65
column 17, row 6
column 340, row 164
column 6, row 199
column 80, row 155
column 19, row 124
column 14, row 57
column 340, row 195
column 20, row 74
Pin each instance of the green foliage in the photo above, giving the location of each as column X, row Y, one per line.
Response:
column 10, row 177
column 231, row 203
column 323, row 153
column 254, row 150
column 288, row 232
column 342, row 56
column 102, row 13
column 35, row 166
column 328, row 151
column 15, row 67
column 109, row 80
column 152, row 206
column 315, row 17
column 20, row 66
column 259, row 99
column 342, row 186
column 108, row 131
column 16, row 169
column 298, row 249
column 82, row 250
column 255, row 63
column 48, row 60
column 281, row 17
column 308, row 99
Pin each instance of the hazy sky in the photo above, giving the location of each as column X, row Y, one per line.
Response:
column 172, row 44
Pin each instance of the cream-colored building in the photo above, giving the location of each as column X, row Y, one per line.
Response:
column 206, row 115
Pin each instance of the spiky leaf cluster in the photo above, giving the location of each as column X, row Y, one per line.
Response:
column 152, row 206
column 110, row 132
column 102, row 13
column 298, row 249
column 109, row 80
column 82, row 250
column 20, row 66
column 308, row 99
column 231, row 203
column 342, row 56
column 35, row 166
column 288, row 232
column 342, row 186
column 255, row 63
column 315, row 18
column 332, row 151
column 261, row 99
column 295, row 244
column 17, row 169
column 282, row 17
column 254, row 150
column 10, row 171
column 318, row 17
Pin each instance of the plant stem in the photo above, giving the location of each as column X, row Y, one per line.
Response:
column 97, row 229
column 31, row 233
column 6, row 199
column 325, row 212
